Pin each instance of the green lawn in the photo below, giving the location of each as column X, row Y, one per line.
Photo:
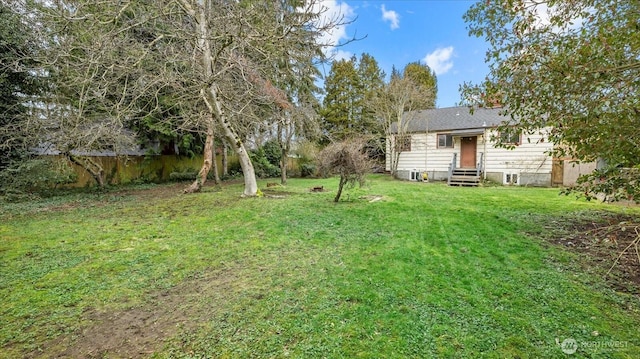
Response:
column 426, row 271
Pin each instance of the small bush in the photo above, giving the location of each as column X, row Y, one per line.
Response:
column 34, row 176
column 261, row 164
column 307, row 153
column 348, row 159
column 272, row 152
column 308, row 170
column 234, row 171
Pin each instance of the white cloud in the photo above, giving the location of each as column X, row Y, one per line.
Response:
column 391, row 16
column 440, row 60
column 542, row 15
column 341, row 54
column 332, row 11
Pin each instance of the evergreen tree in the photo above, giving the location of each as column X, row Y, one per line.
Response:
column 423, row 76
column 348, row 87
column 372, row 79
column 17, row 83
column 341, row 94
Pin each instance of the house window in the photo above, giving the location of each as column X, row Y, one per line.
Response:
column 403, row 143
column 510, row 137
column 445, row 141
column 512, row 178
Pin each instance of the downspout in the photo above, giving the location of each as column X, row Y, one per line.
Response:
column 426, row 147
column 484, row 158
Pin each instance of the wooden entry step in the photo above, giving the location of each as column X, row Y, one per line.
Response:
column 464, row 177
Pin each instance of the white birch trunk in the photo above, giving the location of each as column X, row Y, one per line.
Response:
column 213, row 101
column 215, row 105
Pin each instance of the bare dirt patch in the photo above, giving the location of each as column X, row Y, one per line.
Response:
column 276, row 193
column 608, row 241
column 373, row 198
column 140, row 331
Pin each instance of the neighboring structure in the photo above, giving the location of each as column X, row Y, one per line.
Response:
column 454, row 145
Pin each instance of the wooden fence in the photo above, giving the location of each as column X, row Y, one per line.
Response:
column 128, row 169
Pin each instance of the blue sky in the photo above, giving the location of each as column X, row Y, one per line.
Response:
column 402, row 31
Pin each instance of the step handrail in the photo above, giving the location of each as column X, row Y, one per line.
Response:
column 452, row 166
column 479, row 166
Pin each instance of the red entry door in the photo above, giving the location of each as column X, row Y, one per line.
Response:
column 468, row 147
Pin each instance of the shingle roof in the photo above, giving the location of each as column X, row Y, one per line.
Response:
column 452, row 118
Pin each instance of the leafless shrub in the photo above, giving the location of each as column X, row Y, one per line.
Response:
column 348, row 159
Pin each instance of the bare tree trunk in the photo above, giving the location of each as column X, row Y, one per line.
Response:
column 284, row 153
column 212, row 99
column 393, row 154
column 395, row 158
column 401, row 131
column 93, row 168
column 225, row 158
column 250, row 182
column 283, row 167
column 201, row 178
column 214, row 158
column 215, row 106
column 343, row 181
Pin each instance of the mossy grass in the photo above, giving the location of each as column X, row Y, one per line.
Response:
column 396, row 269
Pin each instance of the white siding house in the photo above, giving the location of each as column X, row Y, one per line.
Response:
column 446, row 138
